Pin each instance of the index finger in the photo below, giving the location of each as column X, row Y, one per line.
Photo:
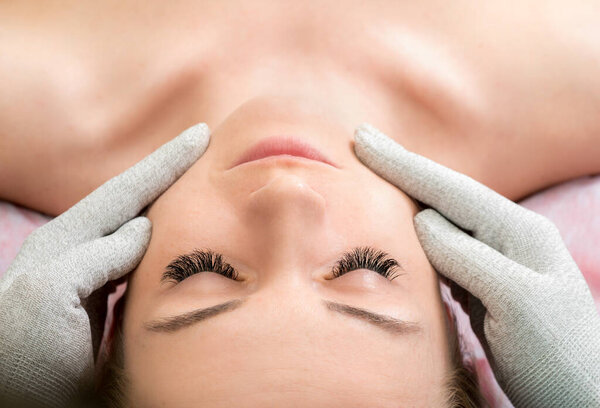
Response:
column 494, row 219
column 121, row 198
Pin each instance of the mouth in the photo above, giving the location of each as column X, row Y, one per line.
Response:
column 289, row 146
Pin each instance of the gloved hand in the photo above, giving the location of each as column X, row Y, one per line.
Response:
column 535, row 312
column 46, row 351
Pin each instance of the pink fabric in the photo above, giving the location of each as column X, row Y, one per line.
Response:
column 573, row 206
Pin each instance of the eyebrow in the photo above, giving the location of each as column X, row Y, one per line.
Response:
column 387, row 323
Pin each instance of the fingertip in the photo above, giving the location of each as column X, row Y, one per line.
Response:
column 429, row 219
column 135, row 238
column 197, row 135
column 365, row 128
column 427, row 213
column 139, row 227
column 366, row 133
column 432, row 227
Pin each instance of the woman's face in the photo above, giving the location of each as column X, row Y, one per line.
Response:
column 282, row 224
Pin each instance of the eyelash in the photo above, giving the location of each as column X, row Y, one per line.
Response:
column 198, row 261
column 206, row 260
column 367, row 258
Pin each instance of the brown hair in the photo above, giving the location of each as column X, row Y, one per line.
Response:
column 112, row 379
column 461, row 386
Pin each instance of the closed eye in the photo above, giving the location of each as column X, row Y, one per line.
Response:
column 363, row 257
column 195, row 262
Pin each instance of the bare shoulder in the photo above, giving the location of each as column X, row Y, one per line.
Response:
column 77, row 109
column 516, row 158
column 69, row 96
column 518, row 165
column 528, row 79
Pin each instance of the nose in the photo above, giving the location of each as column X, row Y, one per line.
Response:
column 288, row 219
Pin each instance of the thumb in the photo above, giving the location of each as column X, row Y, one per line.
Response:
column 89, row 266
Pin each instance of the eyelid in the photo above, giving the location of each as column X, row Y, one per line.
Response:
column 367, row 257
column 206, row 260
column 199, row 260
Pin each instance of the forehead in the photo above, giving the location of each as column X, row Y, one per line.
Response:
column 288, row 353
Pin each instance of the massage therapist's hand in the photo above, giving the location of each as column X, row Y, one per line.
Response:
column 45, row 338
column 534, row 311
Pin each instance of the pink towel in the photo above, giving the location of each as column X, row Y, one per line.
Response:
column 573, row 206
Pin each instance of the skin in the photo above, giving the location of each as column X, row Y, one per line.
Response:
column 282, row 223
column 507, row 95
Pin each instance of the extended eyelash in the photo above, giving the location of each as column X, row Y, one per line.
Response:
column 206, row 260
column 367, row 258
column 198, row 261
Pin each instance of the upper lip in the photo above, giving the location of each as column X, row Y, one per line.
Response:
column 282, row 145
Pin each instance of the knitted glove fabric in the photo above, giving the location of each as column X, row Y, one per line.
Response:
column 46, row 351
column 534, row 312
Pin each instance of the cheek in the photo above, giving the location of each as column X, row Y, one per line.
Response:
column 385, row 206
column 184, row 214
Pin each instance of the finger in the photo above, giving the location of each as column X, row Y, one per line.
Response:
column 495, row 220
column 124, row 196
column 484, row 272
column 91, row 265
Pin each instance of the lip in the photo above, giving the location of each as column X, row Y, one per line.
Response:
column 282, row 145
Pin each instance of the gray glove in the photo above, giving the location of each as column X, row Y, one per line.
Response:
column 46, row 352
column 535, row 314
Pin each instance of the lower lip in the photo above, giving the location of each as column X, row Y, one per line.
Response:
column 282, row 146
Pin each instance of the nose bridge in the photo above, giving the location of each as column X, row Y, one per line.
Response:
column 287, row 220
